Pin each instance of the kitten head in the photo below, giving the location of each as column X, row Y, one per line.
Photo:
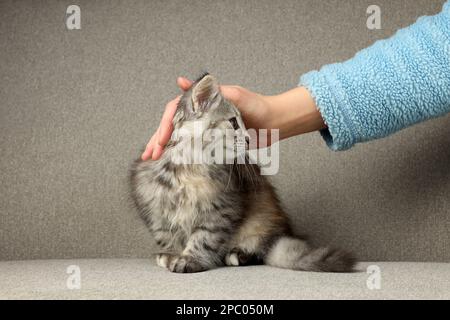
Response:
column 206, row 119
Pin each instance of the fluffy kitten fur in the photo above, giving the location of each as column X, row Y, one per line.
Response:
column 208, row 215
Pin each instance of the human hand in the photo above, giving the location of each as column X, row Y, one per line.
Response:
column 254, row 110
column 292, row 112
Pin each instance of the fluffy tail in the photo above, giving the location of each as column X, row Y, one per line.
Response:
column 293, row 253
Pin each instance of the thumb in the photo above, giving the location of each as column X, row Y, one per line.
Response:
column 233, row 93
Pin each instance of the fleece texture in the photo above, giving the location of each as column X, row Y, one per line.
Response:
column 388, row 86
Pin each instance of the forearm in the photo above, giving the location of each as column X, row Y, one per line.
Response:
column 393, row 84
column 294, row 112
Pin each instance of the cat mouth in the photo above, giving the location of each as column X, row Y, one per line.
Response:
column 242, row 142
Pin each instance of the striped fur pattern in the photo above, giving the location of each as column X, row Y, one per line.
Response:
column 203, row 216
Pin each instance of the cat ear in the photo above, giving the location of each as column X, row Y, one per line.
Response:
column 205, row 90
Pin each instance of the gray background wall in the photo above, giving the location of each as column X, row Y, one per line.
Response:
column 76, row 106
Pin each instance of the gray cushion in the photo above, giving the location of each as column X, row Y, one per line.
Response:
column 142, row 279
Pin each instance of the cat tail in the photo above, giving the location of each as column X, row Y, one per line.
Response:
column 293, row 253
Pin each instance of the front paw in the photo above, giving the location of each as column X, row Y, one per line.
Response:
column 163, row 259
column 238, row 257
column 186, row 264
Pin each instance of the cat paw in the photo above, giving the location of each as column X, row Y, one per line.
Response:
column 185, row 264
column 163, row 259
column 237, row 257
column 231, row 259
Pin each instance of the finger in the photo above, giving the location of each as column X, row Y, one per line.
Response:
column 166, row 126
column 184, row 83
column 233, row 93
column 149, row 148
column 157, row 152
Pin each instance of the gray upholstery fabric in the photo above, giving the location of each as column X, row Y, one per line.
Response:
column 142, row 279
column 76, row 106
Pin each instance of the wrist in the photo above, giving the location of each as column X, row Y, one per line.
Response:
column 294, row 112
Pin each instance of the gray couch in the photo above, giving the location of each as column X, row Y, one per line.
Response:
column 76, row 106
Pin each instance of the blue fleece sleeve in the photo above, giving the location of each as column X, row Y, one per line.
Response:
column 393, row 84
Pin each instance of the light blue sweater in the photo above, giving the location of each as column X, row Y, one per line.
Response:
column 393, row 84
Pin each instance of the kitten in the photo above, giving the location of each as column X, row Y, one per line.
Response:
column 207, row 215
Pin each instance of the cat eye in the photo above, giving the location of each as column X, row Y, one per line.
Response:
column 234, row 123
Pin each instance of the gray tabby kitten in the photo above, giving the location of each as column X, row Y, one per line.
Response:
column 209, row 215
